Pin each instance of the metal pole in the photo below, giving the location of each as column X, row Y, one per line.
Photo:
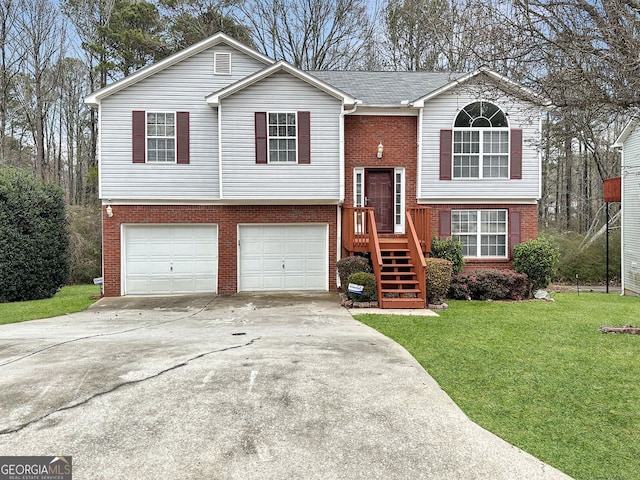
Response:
column 607, row 244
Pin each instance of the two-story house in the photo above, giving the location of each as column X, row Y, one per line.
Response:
column 222, row 170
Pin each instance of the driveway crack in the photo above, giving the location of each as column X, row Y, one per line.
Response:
column 97, row 335
column 125, row 384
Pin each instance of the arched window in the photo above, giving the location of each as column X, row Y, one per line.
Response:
column 481, row 142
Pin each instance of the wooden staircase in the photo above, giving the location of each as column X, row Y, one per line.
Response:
column 398, row 278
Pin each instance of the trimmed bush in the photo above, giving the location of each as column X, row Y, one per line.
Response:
column 350, row 265
column 34, row 239
column 488, row 285
column 368, row 281
column 537, row 259
column 449, row 249
column 439, row 273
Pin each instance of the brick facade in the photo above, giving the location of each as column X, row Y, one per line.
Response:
column 226, row 217
column 399, row 135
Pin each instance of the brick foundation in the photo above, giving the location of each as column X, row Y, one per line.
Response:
column 226, row 217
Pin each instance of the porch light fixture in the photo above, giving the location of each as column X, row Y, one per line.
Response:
column 380, row 149
column 109, row 211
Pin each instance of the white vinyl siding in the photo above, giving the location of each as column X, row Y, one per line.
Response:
column 243, row 179
column 630, row 217
column 181, row 87
column 440, row 113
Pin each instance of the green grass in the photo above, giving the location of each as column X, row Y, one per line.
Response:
column 71, row 299
column 540, row 375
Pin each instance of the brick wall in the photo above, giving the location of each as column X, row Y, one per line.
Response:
column 362, row 135
column 226, row 217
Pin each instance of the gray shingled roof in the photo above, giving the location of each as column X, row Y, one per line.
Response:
column 385, row 88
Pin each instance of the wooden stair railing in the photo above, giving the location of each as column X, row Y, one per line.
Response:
column 376, row 254
column 355, row 228
column 417, row 257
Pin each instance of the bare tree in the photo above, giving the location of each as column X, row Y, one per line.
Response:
column 9, row 59
column 42, row 43
column 310, row 34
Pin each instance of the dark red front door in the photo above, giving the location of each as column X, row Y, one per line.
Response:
column 379, row 195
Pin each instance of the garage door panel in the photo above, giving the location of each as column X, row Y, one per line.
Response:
column 264, row 249
column 170, row 259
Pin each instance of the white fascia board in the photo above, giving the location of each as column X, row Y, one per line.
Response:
column 478, row 201
column 628, row 129
column 214, row 99
column 94, row 98
column 500, row 79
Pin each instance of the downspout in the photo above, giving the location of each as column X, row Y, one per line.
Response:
column 342, row 184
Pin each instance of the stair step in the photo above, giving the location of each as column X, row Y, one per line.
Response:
column 395, row 275
column 404, row 290
column 403, row 303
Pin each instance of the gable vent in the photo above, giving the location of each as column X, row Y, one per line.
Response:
column 222, row 63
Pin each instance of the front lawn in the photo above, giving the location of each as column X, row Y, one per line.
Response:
column 540, row 375
column 71, row 299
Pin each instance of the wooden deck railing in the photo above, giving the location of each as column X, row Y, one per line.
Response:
column 355, row 228
column 421, row 217
column 376, row 253
column 417, row 257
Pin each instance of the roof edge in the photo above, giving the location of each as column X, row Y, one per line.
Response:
column 214, row 99
column 94, row 98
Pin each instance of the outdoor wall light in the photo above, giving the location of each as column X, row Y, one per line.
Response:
column 109, row 211
column 380, row 149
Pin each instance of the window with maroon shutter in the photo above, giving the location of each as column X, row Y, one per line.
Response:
column 283, row 137
column 445, row 223
column 516, row 153
column 514, row 230
column 138, row 126
column 304, row 137
column 182, row 137
column 261, row 137
column 445, row 154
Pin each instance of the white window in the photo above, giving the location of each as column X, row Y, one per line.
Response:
column 282, row 137
column 481, row 142
column 161, row 137
column 483, row 233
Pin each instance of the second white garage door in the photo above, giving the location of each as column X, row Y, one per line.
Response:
column 283, row 257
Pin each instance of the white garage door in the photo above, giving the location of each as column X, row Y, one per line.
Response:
column 170, row 259
column 283, row 257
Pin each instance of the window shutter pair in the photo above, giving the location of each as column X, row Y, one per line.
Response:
column 446, row 153
column 304, row 137
column 139, row 147
column 514, row 227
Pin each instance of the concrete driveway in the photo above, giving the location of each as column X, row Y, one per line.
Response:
column 235, row 387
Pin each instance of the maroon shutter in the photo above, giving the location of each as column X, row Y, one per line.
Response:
column 304, row 137
column 261, row 137
column 514, row 230
column 138, row 127
column 445, row 224
column 445, row 154
column 182, row 137
column 516, row 153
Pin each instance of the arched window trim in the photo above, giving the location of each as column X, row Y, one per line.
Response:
column 473, row 156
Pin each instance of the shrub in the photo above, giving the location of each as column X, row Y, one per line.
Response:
column 587, row 261
column 85, row 243
column 350, row 265
column 34, row 240
column 439, row 273
column 449, row 249
column 537, row 259
column 368, row 281
column 488, row 285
